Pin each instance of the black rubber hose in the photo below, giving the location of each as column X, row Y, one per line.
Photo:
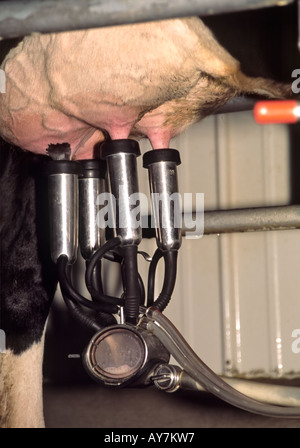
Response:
column 89, row 273
column 170, row 259
column 117, row 258
column 95, row 322
column 100, row 319
column 76, row 312
column 131, row 284
column 105, row 319
column 142, row 290
column 97, row 279
column 151, row 276
column 140, row 281
column 69, row 291
column 113, row 256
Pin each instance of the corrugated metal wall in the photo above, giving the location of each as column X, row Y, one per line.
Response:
column 237, row 296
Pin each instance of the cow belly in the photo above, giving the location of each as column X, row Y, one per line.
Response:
column 151, row 79
column 78, row 86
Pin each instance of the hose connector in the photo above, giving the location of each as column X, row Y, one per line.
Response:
column 166, row 377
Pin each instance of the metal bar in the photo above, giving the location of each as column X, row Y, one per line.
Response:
column 250, row 220
column 238, row 220
column 19, row 18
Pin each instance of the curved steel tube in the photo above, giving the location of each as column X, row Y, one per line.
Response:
column 162, row 328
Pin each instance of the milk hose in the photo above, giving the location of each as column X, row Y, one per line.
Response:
column 177, row 346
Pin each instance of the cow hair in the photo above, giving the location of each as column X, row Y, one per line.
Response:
column 28, row 278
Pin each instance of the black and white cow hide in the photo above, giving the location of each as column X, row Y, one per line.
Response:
column 28, row 283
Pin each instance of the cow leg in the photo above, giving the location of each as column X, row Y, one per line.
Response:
column 28, row 284
column 21, row 404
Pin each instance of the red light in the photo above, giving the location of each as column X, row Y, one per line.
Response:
column 267, row 112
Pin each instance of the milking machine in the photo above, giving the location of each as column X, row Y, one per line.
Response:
column 131, row 339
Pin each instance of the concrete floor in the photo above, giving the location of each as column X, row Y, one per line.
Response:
column 73, row 400
column 92, row 406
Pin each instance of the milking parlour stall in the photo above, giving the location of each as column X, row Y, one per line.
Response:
column 150, row 217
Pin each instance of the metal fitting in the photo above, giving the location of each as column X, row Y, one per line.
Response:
column 166, row 377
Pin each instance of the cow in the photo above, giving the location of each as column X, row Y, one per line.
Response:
column 28, row 282
column 148, row 80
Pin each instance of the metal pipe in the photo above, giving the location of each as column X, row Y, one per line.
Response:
column 19, row 18
column 252, row 219
column 239, row 220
